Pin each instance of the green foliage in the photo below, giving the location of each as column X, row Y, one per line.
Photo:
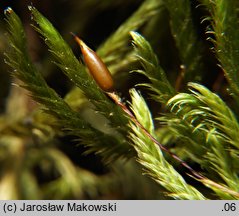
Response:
column 196, row 129
column 209, row 109
column 159, row 84
column 151, row 157
column 33, row 81
column 200, row 122
column 213, row 120
column 69, row 64
column 186, row 38
column 224, row 22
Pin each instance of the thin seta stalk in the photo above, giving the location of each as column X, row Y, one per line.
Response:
column 103, row 78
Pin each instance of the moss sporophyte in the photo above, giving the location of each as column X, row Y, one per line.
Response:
column 96, row 67
column 103, row 78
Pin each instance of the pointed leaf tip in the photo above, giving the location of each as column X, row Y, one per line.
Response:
column 134, row 34
column 8, row 10
column 30, row 8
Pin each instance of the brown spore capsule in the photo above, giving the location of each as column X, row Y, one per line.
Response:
column 96, row 66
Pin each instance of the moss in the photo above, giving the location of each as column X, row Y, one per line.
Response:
column 44, row 144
